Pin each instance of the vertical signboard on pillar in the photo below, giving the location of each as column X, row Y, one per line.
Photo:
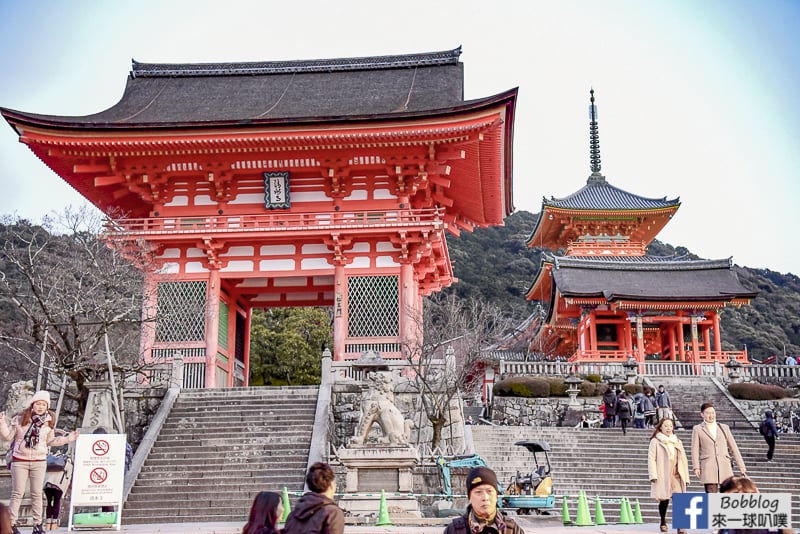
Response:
column 97, row 481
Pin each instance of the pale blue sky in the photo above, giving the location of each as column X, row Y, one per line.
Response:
column 697, row 99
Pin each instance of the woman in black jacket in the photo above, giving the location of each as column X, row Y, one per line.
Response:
column 624, row 410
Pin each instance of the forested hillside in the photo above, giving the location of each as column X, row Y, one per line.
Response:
column 494, row 264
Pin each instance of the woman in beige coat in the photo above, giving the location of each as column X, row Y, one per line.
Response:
column 712, row 449
column 667, row 467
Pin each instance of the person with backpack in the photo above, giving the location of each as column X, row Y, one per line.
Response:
column 769, row 430
column 624, row 410
column 638, row 414
column 315, row 512
column 482, row 515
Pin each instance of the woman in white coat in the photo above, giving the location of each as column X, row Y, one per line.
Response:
column 667, row 467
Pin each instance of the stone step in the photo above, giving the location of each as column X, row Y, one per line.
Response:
column 605, row 463
column 218, row 448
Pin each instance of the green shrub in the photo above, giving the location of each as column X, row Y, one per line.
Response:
column 588, row 389
column 596, row 379
column 522, row 386
column 557, row 386
column 756, row 391
column 632, row 389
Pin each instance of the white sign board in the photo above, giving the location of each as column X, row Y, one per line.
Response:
column 99, row 470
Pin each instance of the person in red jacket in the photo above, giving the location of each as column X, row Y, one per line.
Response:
column 315, row 512
column 32, row 433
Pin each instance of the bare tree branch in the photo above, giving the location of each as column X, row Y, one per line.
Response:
column 446, row 356
column 67, row 282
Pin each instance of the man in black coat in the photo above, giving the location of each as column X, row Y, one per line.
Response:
column 482, row 515
column 315, row 512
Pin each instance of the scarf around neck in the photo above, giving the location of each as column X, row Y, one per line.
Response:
column 669, row 440
column 478, row 525
column 31, row 438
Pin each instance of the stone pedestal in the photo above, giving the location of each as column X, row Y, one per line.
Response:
column 371, row 469
column 100, row 408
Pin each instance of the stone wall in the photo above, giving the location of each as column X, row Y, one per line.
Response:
column 550, row 411
column 782, row 409
column 140, row 405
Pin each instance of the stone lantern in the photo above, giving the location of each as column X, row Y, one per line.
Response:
column 573, row 388
column 617, row 382
column 631, row 369
column 734, row 369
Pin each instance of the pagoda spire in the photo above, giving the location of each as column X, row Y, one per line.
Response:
column 594, row 142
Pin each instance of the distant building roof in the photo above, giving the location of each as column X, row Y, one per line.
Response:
column 242, row 93
column 658, row 280
column 598, row 194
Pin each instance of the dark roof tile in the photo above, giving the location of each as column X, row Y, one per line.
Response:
column 241, row 93
column 699, row 280
column 598, row 194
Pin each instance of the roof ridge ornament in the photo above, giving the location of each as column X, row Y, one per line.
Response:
column 168, row 70
column 594, row 144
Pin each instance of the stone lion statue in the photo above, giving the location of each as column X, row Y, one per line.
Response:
column 377, row 406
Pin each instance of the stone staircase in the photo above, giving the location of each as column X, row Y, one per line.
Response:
column 689, row 393
column 608, row 464
column 220, row 447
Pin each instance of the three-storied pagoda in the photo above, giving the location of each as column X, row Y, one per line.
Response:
column 290, row 183
column 604, row 299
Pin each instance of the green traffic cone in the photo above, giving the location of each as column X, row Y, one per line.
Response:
column 582, row 517
column 287, row 508
column 565, row 519
column 637, row 514
column 599, row 517
column 624, row 514
column 383, row 512
column 630, row 510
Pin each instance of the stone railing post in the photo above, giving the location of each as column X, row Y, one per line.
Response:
column 176, row 377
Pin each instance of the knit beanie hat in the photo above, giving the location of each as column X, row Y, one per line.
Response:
column 479, row 476
column 40, row 396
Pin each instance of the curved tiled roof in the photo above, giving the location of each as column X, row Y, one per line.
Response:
column 598, row 194
column 173, row 95
column 681, row 280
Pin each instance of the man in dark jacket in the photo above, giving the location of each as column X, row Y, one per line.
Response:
column 315, row 512
column 770, row 432
column 610, row 403
column 482, row 515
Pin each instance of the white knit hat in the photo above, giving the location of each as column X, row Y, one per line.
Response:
column 40, row 395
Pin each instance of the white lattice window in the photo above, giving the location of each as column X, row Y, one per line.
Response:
column 181, row 311
column 373, row 306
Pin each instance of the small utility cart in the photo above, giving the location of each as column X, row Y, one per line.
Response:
column 532, row 491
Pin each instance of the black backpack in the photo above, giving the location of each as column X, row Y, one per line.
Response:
column 764, row 429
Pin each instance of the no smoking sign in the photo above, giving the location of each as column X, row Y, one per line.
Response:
column 100, row 447
column 98, row 475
